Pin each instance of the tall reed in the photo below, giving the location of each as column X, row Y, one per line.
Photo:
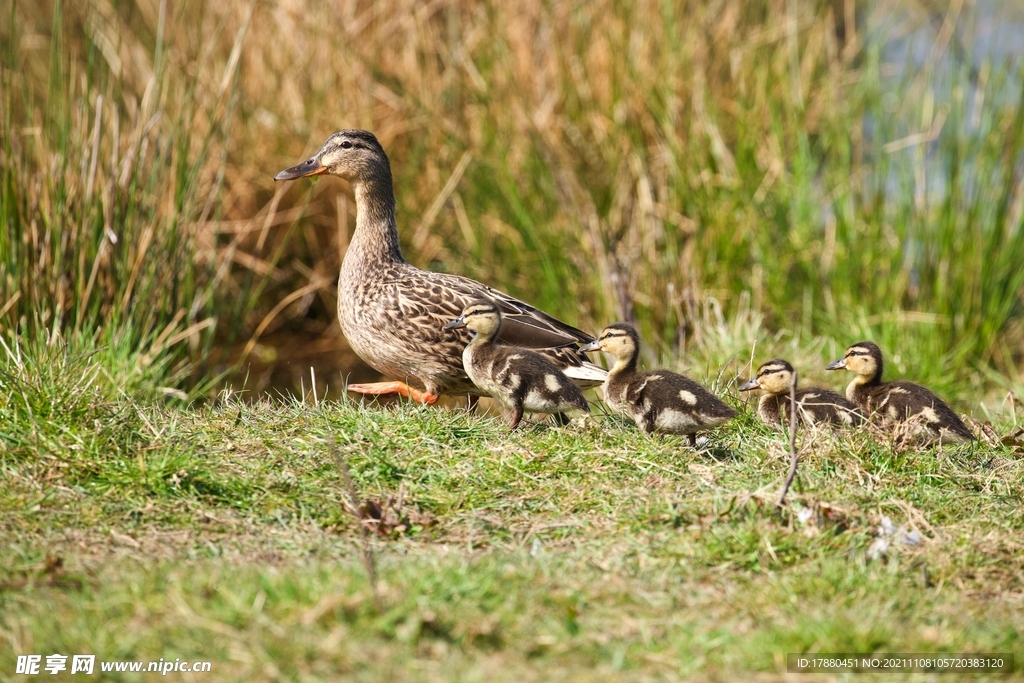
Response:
column 112, row 165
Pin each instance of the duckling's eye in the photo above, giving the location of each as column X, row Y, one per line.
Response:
column 346, row 144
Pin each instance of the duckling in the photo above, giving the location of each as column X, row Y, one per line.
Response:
column 657, row 400
column 519, row 379
column 816, row 405
column 900, row 401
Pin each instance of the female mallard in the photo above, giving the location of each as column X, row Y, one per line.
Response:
column 520, row 379
column 900, row 401
column 393, row 314
column 815, row 404
column 656, row 400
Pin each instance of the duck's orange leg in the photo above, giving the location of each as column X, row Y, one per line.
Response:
column 400, row 388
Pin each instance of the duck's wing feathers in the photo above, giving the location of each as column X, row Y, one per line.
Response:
column 442, row 297
column 522, row 325
column 526, row 326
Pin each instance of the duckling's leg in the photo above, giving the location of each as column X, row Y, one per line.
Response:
column 471, row 402
column 693, row 439
column 400, row 388
column 517, row 415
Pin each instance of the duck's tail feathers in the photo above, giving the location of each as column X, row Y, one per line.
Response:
column 586, row 375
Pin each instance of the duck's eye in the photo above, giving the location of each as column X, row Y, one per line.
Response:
column 346, row 144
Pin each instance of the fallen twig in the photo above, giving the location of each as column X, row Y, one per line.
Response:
column 793, row 455
column 356, row 508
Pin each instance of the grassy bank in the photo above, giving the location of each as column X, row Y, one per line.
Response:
column 591, row 553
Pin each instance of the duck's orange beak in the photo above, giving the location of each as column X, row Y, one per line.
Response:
column 304, row 170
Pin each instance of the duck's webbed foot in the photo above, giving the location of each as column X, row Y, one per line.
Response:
column 400, row 388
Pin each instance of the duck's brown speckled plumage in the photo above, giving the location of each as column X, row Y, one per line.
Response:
column 656, row 400
column 899, row 402
column 815, row 405
column 519, row 379
column 393, row 313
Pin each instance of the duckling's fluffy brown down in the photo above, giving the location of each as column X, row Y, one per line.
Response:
column 899, row 402
column 519, row 379
column 656, row 400
column 664, row 401
column 815, row 405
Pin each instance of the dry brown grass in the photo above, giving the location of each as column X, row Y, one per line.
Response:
column 568, row 88
column 597, row 115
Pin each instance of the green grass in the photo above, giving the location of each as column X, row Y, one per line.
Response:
column 592, row 552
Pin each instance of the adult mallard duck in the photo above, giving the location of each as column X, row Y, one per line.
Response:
column 899, row 402
column 393, row 314
column 657, row 400
column 814, row 404
column 519, row 379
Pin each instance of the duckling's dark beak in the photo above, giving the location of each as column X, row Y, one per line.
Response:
column 838, row 365
column 304, row 170
column 752, row 384
column 458, row 322
column 591, row 346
